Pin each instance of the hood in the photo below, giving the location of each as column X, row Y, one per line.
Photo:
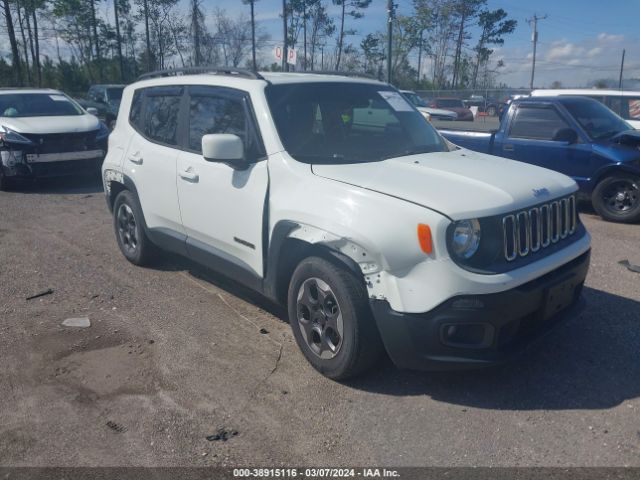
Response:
column 461, row 111
column 438, row 111
column 630, row 138
column 460, row 184
column 58, row 124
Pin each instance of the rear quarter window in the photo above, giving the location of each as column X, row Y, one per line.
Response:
column 135, row 113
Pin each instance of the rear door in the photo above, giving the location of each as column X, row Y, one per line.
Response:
column 222, row 208
column 152, row 155
column 530, row 139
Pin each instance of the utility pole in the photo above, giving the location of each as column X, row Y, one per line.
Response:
column 621, row 69
column 390, row 15
column 285, row 53
column 534, row 38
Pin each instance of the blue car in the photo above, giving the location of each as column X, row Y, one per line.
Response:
column 577, row 136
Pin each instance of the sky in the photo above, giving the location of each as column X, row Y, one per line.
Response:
column 579, row 42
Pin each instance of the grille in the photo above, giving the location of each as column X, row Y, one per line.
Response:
column 62, row 142
column 528, row 231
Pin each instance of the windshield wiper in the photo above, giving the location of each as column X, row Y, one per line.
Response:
column 412, row 151
column 326, row 157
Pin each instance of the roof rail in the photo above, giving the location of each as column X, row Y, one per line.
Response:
column 339, row 73
column 231, row 71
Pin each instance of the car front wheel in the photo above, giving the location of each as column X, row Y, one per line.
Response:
column 331, row 319
column 617, row 198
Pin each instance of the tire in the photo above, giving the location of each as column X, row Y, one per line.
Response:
column 491, row 111
column 617, row 198
column 331, row 320
column 129, row 226
column 4, row 182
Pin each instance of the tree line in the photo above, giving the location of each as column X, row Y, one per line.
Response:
column 439, row 44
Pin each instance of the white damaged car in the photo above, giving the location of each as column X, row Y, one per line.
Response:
column 44, row 133
column 332, row 195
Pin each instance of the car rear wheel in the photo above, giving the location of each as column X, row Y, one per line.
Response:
column 617, row 198
column 331, row 319
column 129, row 228
column 4, row 181
column 491, row 111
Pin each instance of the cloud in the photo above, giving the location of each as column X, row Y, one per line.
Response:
column 563, row 50
column 608, row 38
column 574, row 63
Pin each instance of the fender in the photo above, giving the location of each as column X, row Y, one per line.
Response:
column 350, row 254
column 612, row 169
column 111, row 176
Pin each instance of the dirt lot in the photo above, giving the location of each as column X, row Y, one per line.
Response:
column 175, row 354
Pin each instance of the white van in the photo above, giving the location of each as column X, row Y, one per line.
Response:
column 626, row 104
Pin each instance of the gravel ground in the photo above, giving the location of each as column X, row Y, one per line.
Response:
column 176, row 354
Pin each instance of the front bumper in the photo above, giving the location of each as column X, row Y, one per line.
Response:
column 52, row 165
column 474, row 331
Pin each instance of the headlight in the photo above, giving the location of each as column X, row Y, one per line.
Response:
column 9, row 136
column 103, row 132
column 466, row 238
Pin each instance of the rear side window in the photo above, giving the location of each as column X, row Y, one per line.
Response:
column 161, row 118
column 215, row 114
column 538, row 123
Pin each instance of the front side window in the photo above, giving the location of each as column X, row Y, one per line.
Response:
column 115, row 93
column 215, row 114
column 596, row 119
column 537, row 123
column 334, row 122
column 161, row 118
column 38, row 105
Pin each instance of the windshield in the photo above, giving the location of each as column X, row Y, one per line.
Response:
column 450, row 102
column 597, row 120
column 415, row 99
column 37, row 105
column 115, row 93
column 348, row 122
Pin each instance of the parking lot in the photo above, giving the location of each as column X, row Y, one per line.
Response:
column 176, row 354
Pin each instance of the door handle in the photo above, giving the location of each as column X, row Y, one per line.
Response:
column 508, row 147
column 189, row 175
column 135, row 158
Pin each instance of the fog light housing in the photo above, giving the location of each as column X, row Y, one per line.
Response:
column 467, row 335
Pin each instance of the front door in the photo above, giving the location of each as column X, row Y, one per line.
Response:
column 531, row 140
column 223, row 208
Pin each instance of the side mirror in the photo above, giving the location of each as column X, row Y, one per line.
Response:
column 223, row 147
column 568, row 135
column 92, row 111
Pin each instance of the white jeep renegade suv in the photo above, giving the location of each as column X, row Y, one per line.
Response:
column 333, row 195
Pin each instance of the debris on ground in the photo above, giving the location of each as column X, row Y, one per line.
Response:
column 80, row 322
column 630, row 266
column 116, row 427
column 222, row 435
column 48, row 291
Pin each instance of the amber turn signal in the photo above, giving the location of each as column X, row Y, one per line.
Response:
column 424, row 238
